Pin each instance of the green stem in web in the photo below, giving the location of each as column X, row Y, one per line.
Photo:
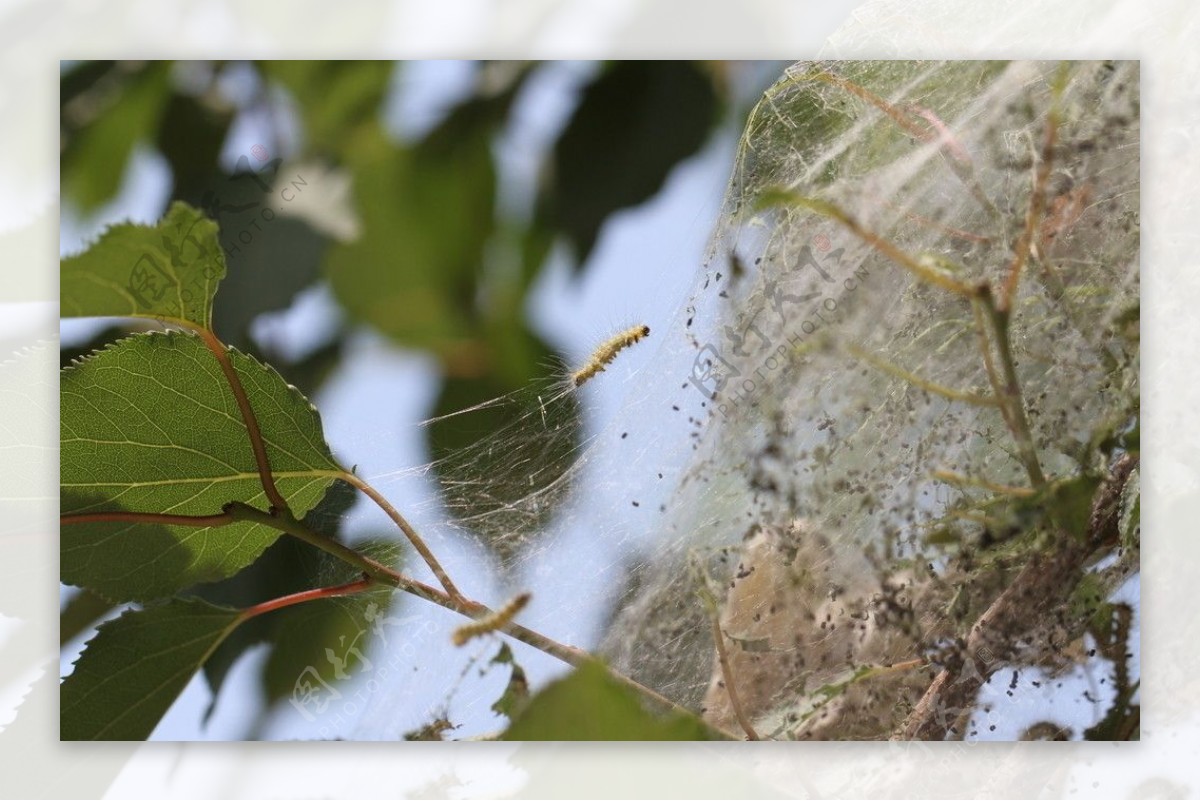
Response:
column 784, row 197
column 899, row 117
column 1007, row 387
column 951, row 477
column 921, row 383
column 989, row 362
column 933, row 132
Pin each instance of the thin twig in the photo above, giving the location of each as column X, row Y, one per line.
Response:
column 730, row 686
column 286, row 522
column 413, row 537
column 1037, row 203
column 897, row 116
column 938, row 133
column 948, row 230
column 974, row 517
column 898, row 667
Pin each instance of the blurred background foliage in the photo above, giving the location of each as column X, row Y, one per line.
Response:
column 434, row 261
column 430, row 258
column 413, row 235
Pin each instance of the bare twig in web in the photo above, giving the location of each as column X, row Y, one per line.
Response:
column 730, row 686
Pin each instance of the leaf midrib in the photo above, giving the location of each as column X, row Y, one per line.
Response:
column 314, row 473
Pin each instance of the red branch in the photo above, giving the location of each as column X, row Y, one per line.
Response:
column 308, row 595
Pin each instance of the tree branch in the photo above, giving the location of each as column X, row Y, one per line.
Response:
column 286, row 522
column 1006, row 387
column 413, row 537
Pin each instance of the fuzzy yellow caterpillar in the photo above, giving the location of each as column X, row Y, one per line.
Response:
column 607, row 352
column 493, row 622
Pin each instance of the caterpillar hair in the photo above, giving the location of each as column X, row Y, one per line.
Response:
column 493, row 622
column 608, row 351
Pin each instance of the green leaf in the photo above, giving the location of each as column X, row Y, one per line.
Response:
column 84, row 609
column 1066, row 503
column 590, row 705
column 1087, row 601
column 150, row 425
column 287, row 567
column 1130, row 514
column 331, row 637
column 1122, row 432
column 170, row 270
column 635, row 122
column 271, row 254
column 1069, row 503
column 136, row 666
column 832, row 690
